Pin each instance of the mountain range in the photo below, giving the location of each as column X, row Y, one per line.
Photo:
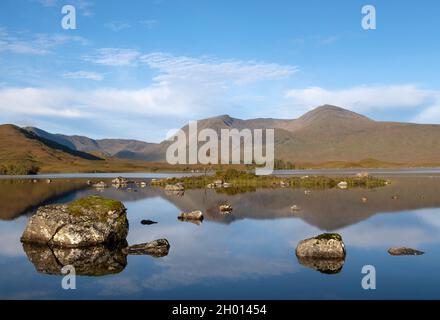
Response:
column 325, row 134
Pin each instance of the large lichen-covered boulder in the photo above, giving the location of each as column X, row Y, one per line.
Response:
column 324, row 246
column 85, row 222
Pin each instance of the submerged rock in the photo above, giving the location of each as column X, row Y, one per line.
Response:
column 88, row 221
column 195, row 215
column 225, row 208
column 88, row 261
column 325, row 246
column 295, row 208
column 156, row 248
column 404, row 252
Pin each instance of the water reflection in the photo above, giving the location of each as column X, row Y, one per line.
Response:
column 89, row 261
column 327, row 266
column 249, row 253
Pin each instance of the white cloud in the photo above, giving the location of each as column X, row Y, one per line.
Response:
column 47, row 3
column 117, row 26
column 369, row 98
column 149, row 23
column 43, row 102
column 114, row 57
column 182, row 87
column 429, row 115
column 84, row 6
column 216, row 71
column 84, row 75
column 37, row 44
column 328, row 40
column 71, row 103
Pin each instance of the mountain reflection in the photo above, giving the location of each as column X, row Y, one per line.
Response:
column 329, row 209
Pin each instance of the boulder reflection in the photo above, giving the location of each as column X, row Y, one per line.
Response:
column 88, row 261
column 327, row 266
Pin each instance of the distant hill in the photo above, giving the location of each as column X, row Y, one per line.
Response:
column 21, row 151
column 19, row 146
column 325, row 134
column 109, row 147
column 17, row 143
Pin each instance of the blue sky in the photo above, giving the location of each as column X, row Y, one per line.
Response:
column 138, row 68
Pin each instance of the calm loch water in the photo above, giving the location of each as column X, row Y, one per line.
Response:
column 249, row 254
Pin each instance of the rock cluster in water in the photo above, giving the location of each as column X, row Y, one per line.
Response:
column 219, row 184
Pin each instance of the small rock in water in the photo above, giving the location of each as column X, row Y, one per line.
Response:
column 120, row 182
column 48, row 181
column 343, row 185
column 156, row 248
column 195, row 215
column 362, row 174
column 148, row 222
column 226, row 208
column 395, row 197
column 404, row 252
column 100, row 185
column 324, row 246
column 295, row 208
column 218, row 183
column 364, row 199
column 284, row 184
